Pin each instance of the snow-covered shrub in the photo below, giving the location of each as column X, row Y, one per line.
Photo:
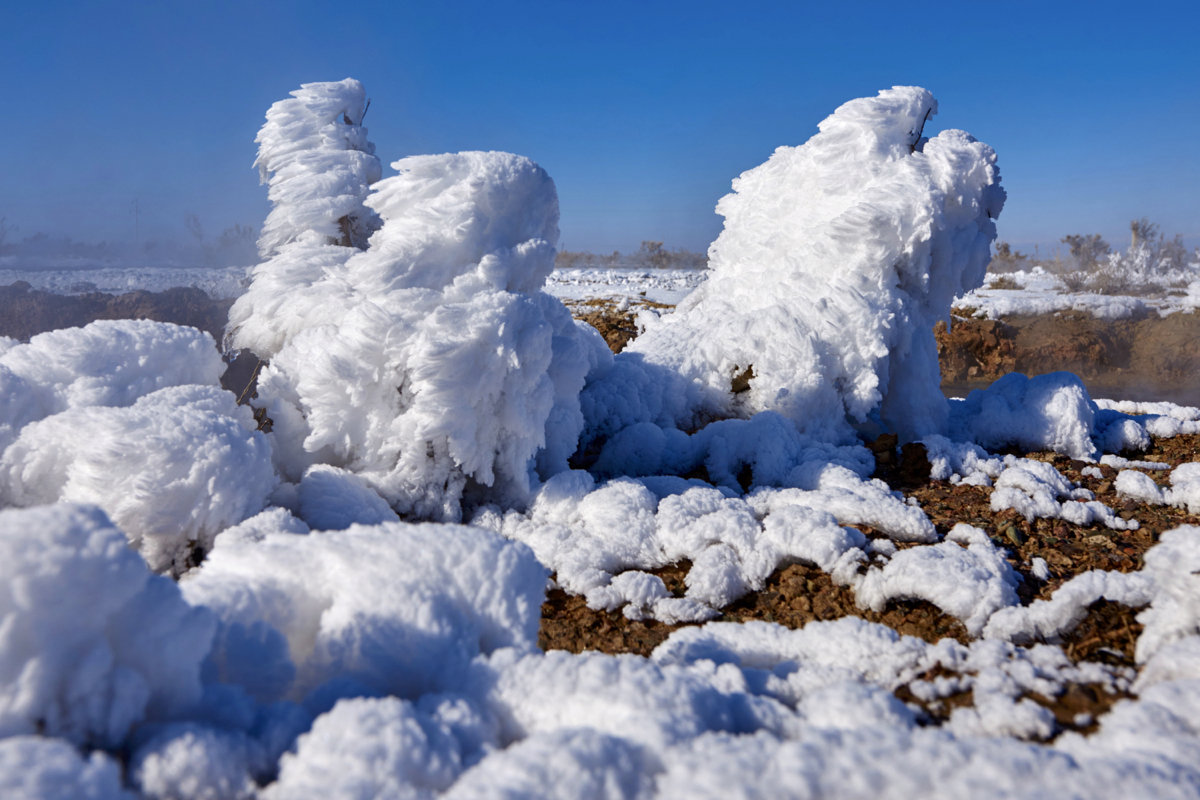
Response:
column 836, row 259
column 314, row 154
column 172, row 470
column 91, row 642
column 193, row 761
column 105, row 363
column 432, row 365
column 370, row 747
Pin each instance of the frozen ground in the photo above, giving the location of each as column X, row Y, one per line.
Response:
column 340, row 596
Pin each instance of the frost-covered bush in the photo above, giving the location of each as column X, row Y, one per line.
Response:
column 91, row 642
column 836, row 259
column 105, row 363
column 127, row 415
column 432, row 365
column 314, row 154
column 172, row 470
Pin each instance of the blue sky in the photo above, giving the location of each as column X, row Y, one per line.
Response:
column 642, row 112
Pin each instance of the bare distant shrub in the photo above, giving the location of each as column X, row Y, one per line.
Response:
column 1004, row 282
column 1005, row 259
column 1087, row 250
column 1076, row 281
column 650, row 255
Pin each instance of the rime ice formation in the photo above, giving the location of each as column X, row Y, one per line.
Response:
column 91, row 642
column 432, row 365
column 324, row 648
column 126, row 414
column 836, row 259
column 314, row 154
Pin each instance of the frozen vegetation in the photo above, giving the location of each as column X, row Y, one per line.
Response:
column 197, row 605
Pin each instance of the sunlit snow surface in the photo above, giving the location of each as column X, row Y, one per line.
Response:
column 1042, row 293
column 325, row 648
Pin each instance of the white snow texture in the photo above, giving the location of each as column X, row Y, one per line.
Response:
column 338, row 638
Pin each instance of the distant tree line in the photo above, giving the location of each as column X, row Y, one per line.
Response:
column 1150, row 263
column 650, row 255
column 235, row 246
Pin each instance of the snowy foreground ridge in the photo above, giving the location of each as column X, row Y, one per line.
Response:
column 193, row 607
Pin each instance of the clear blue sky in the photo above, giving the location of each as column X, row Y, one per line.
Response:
column 642, row 111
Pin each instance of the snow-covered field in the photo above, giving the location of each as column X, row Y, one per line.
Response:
column 1041, row 292
column 347, row 604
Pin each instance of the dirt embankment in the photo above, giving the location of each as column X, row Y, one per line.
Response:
column 1151, row 358
column 26, row 312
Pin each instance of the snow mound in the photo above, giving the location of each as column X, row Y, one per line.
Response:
column 51, row 769
column 370, row 747
column 836, row 259
column 394, row 608
column 92, row 642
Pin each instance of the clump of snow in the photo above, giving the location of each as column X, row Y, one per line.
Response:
column 51, row 769
column 1036, row 489
column 1174, row 566
column 836, row 259
column 195, row 762
column 970, row 583
column 1046, row 620
column 1139, row 486
column 566, row 763
column 392, row 608
column 370, row 747
column 172, row 470
column 1051, row 412
column 92, row 642
column 105, row 363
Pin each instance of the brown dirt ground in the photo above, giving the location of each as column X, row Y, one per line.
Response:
column 797, row 594
column 26, row 312
column 1145, row 358
column 615, row 325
